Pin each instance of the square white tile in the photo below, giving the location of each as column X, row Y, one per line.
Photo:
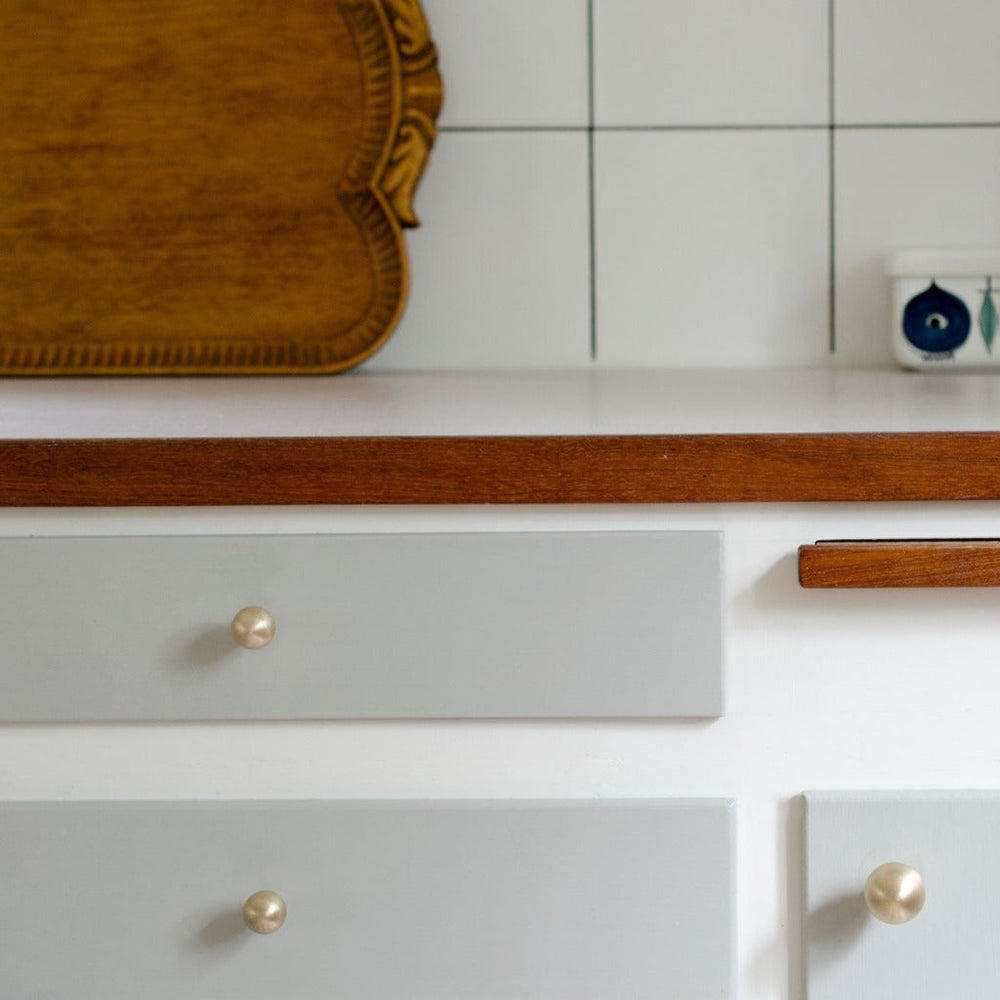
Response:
column 899, row 189
column 512, row 62
column 501, row 265
column 908, row 61
column 713, row 249
column 711, row 62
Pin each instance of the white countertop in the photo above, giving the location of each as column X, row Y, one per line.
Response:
column 500, row 403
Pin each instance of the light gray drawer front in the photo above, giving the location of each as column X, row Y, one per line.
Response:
column 385, row 901
column 949, row 948
column 368, row 626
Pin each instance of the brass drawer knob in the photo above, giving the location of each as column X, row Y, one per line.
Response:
column 895, row 893
column 253, row 627
column 264, row 912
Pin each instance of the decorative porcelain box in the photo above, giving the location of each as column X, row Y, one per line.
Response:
column 945, row 309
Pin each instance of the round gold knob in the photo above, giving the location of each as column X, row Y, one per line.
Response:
column 264, row 912
column 895, row 893
column 253, row 627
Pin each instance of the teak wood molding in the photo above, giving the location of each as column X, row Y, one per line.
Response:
column 884, row 564
column 208, row 186
column 640, row 469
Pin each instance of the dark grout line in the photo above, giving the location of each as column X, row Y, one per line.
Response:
column 895, row 126
column 847, row 127
column 832, row 167
column 592, row 179
column 460, row 129
column 766, row 127
column 832, row 208
column 593, row 245
column 591, row 82
column 831, row 63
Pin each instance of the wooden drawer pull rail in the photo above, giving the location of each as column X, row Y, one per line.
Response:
column 903, row 563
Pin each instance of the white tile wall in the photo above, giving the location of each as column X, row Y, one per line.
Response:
column 512, row 62
column 712, row 248
column 501, row 272
column 718, row 62
column 905, row 188
column 918, row 61
column 648, row 182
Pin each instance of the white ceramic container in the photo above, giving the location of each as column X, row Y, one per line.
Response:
column 946, row 309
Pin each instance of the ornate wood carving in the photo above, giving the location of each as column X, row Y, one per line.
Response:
column 195, row 186
column 422, row 95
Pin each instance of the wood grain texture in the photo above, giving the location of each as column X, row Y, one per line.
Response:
column 510, row 470
column 885, row 564
column 206, row 186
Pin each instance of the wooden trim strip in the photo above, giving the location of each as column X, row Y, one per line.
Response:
column 637, row 469
column 883, row 564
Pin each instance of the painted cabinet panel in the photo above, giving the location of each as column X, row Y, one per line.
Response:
column 541, row 900
column 947, row 842
column 366, row 626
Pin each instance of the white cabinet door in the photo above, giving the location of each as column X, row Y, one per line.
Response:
column 947, row 841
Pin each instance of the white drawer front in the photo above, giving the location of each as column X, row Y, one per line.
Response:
column 385, row 901
column 367, row 626
column 947, row 841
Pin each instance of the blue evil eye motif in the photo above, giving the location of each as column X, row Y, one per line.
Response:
column 936, row 322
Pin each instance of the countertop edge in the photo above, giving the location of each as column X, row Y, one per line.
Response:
column 551, row 469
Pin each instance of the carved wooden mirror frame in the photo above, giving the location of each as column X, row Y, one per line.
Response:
column 202, row 186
